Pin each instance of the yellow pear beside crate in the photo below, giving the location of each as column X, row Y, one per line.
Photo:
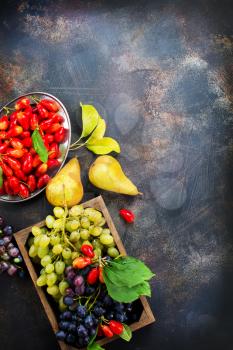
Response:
column 106, row 173
column 66, row 188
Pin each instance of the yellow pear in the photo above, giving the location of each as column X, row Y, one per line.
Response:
column 106, row 173
column 66, row 188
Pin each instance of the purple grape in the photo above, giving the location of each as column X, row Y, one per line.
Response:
column 78, row 281
column 8, row 230
column 2, row 242
column 12, row 270
column 70, row 292
column 2, row 249
column 3, row 266
column 71, row 275
column 79, row 290
column 67, row 300
column 7, row 239
column 68, row 269
column 13, row 252
column 10, row 245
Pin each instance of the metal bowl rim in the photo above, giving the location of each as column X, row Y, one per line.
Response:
column 69, row 139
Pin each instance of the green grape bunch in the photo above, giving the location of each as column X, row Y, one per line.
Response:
column 59, row 242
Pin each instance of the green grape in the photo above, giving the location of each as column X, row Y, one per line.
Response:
column 36, row 231
column 96, row 243
column 85, row 223
column 113, row 252
column 44, row 241
column 96, row 231
column 41, row 281
column 60, row 267
column 78, row 245
column 54, row 240
column 97, row 218
column 102, row 222
column 43, row 230
column 62, row 306
column 58, row 224
column 49, row 268
column 42, row 252
column 63, row 285
column 57, row 249
column 57, row 296
column 86, row 242
column 42, row 271
column 66, row 253
column 106, row 230
column 59, row 212
column 74, row 224
column 54, row 290
column 74, row 255
column 30, row 241
column 111, row 245
column 49, row 221
column 90, row 213
column 46, row 260
column 68, row 226
column 33, row 251
column 51, row 279
column 76, row 210
column 97, row 252
column 68, row 262
column 37, row 240
column 84, row 234
column 106, row 239
column 74, row 236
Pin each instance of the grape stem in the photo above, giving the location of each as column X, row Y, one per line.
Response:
column 90, row 307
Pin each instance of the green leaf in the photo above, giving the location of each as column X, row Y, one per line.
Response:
column 127, row 279
column 127, row 333
column 94, row 346
column 128, row 271
column 124, row 294
column 104, row 146
column 39, row 147
column 90, row 118
column 98, row 133
column 1, row 177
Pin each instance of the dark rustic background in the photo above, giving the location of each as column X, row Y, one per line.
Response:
column 160, row 73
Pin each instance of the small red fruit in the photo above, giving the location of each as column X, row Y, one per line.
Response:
column 43, row 180
column 81, row 262
column 87, row 250
column 93, row 276
column 127, row 215
column 23, row 191
column 4, row 123
column 116, row 327
column 107, row 331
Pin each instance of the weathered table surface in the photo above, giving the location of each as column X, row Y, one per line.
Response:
column 160, row 73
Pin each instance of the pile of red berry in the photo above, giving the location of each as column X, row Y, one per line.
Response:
column 21, row 166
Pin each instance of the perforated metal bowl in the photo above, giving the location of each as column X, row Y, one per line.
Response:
column 64, row 147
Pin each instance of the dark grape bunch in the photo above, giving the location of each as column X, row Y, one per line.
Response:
column 89, row 309
column 10, row 258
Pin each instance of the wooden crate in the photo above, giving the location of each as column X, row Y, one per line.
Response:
column 21, row 237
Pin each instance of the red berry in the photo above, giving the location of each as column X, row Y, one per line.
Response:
column 107, row 331
column 116, row 327
column 87, row 250
column 127, row 215
column 93, row 276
